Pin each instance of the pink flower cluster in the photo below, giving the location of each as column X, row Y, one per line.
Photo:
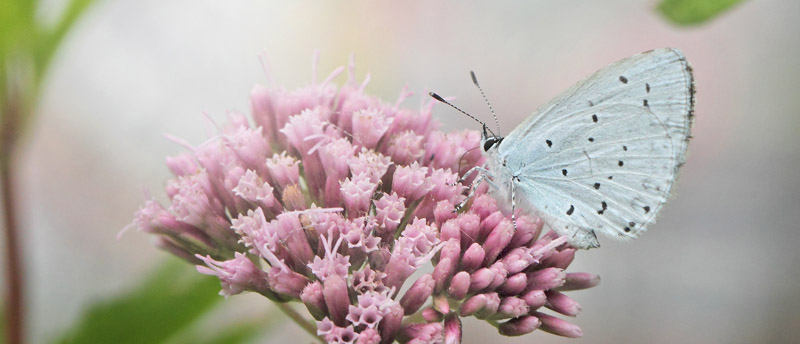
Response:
column 335, row 199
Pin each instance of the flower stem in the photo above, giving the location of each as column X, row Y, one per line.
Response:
column 297, row 318
column 14, row 312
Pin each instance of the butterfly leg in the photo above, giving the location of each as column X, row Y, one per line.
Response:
column 472, row 188
column 469, row 173
column 514, row 201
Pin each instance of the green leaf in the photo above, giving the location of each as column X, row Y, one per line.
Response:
column 239, row 333
column 166, row 303
column 51, row 38
column 693, row 12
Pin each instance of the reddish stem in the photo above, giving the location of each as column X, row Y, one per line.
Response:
column 14, row 315
column 14, row 300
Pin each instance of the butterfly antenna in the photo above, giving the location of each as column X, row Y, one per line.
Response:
column 475, row 81
column 439, row 98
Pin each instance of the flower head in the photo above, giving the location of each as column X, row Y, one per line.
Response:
column 335, row 199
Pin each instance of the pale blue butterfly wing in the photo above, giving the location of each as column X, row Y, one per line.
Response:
column 602, row 157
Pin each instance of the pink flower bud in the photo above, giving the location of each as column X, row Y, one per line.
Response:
column 261, row 109
column 369, row 336
column 459, row 285
column 285, row 281
column 470, row 227
column 253, row 189
column 560, row 259
column 443, row 188
column 314, row 300
column 528, row 229
column 546, row 279
column 450, row 230
column 490, row 223
column 498, row 239
column 293, row 198
column 514, row 284
column 558, row 326
column 173, row 248
column 500, row 274
column 392, row 323
column 519, row 326
column 534, row 298
column 441, row 274
column 579, row 280
column 357, row 193
column 443, row 212
column 518, row 259
column 400, row 266
column 334, row 289
column 284, row 170
column 473, row 305
column 411, row 182
column 481, row 279
column 418, row 294
column 369, row 126
column 491, row 306
column 511, row 307
column 153, row 218
column 405, row 148
column 431, row 315
column 370, row 162
column 334, row 155
column 562, row 303
column 422, row 333
column 236, row 275
column 452, row 329
column 182, row 164
column 250, row 147
column 389, row 211
column 483, row 205
column 473, row 257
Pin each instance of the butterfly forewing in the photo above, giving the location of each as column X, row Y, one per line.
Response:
column 603, row 155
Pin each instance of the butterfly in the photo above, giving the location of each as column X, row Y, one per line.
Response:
column 601, row 157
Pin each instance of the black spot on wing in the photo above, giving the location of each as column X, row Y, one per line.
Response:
column 620, row 163
column 549, row 143
column 597, row 186
column 594, row 118
column 647, row 87
column 623, row 79
column 645, row 104
column 646, row 209
column 564, row 172
column 605, row 206
column 571, row 209
column 591, row 139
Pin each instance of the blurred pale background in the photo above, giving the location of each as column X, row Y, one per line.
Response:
column 720, row 265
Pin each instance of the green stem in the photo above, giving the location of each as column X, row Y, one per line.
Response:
column 299, row 320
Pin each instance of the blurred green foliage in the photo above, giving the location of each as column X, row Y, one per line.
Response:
column 165, row 308
column 693, row 12
column 27, row 45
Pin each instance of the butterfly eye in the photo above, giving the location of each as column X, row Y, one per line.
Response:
column 490, row 142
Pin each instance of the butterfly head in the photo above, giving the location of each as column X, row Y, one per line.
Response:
column 489, row 142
